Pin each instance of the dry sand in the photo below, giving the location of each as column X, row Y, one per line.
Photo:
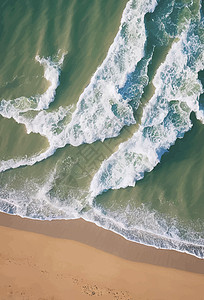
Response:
column 77, row 260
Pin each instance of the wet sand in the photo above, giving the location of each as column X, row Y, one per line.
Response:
column 76, row 259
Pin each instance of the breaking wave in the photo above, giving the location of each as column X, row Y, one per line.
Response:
column 101, row 110
column 165, row 118
column 106, row 105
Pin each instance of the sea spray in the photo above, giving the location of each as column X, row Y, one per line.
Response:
column 159, row 211
column 36, row 200
column 101, row 110
column 165, row 118
column 13, row 108
column 32, row 113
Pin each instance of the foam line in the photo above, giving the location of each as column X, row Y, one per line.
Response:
column 13, row 108
column 165, row 118
column 101, row 110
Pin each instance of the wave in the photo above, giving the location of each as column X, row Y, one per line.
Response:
column 13, row 108
column 38, row 200
column 150, row 228
column 34, row 198
column 165, row 118
column 101, row 110
column 32, row 113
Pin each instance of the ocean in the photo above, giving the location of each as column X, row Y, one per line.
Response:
column 101, row 116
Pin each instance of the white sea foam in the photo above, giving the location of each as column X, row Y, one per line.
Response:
column 150, row 228
column 101, row 111
column 13, row 108
column 48, row 124
column 36, row 200
column 32, row 113
column 51, row 74
column 165, row 118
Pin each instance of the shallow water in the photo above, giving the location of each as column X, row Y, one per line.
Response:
column 102, row 116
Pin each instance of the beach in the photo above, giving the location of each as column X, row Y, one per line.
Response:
column 75, row 259
column 101, row 117
column 102, row 149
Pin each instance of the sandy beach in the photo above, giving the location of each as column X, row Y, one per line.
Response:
column 102, row 118
column 77, row 260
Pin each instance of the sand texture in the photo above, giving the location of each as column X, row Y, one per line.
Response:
column 51, row 266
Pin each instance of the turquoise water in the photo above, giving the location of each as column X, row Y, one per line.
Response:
column 101, row 116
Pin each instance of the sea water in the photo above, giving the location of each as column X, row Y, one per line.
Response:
column 101, row 116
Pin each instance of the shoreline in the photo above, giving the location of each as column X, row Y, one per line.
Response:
column 90, row 234
column 57, row 260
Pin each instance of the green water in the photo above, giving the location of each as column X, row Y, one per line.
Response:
column 168, row 198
